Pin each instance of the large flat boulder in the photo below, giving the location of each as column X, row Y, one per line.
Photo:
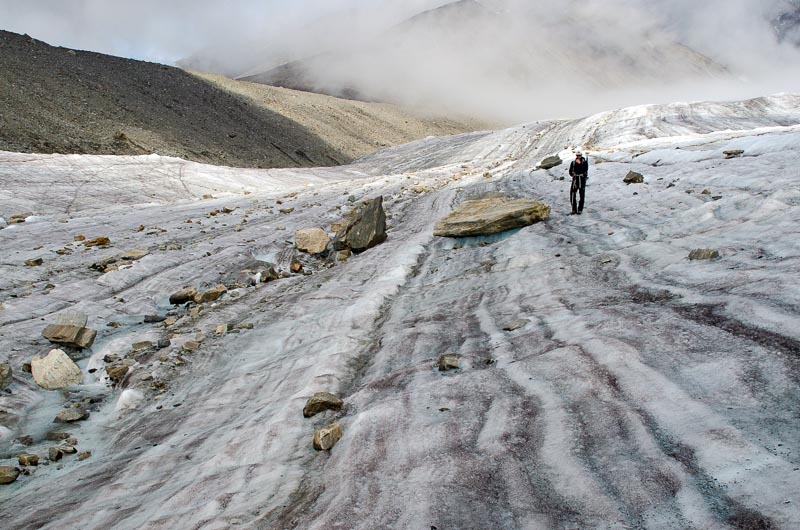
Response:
column 56, row 370
column 490, row 216
column 70, row 329
column 365, row 230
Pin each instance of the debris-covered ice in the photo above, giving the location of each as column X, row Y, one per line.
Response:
column 636, row 389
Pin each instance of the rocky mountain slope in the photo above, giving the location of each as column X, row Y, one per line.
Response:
column 57, row 100
column 604, row 379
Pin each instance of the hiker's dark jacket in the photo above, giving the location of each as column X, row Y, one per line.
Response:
column 579, row 169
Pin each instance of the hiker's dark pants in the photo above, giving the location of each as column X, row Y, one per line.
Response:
column 578, row 186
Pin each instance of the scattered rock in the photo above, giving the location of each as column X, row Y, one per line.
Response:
column 296, row 267
column 703, row 254
column 6, row 375
column 9, row 474
column 245, row 325
column 319, row 402
column 18, row 218
column 117, row 373
column 56, row 436
column 705, row 192
column 27, row 459
column 133, row 255
column 70, row 330
column 448, row 362
column 550, row 162
column 212, row 294
column 365, row 230
column 191, row 345
column 733, row 153
column 286, row 210
column 326, row 438
column 84, row 455
column 163, row 343
column 153, row 319
column 55, row 454
column 142, row 345
column 35, row 262
column 517, row 324
column 633, row 178
column 490, row 216
column 338, row 225
column 79, row 237
column 312, row 240
column 71, row 415
column 186, row 294
column 55, row 371
column 97, row 242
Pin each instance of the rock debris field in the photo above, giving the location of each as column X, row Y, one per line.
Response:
column 632, row 367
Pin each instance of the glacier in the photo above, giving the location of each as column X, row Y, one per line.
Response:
column 646, row 391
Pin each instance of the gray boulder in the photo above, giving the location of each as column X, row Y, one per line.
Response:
column 365, row 230
column 490, row 216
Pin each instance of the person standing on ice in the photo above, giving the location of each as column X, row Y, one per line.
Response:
column 579, row 171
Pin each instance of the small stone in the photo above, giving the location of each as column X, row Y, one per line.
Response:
column 286, row 210
column 6, row 375
column 8, row 474
column 221, row 329
column 154, row 319
column 35, row 262
column 55, row 454
column 296, row 267
column 191, row 345
column 68, row 449
column 163, row 343
column 705, row 192
column 79, row 237
column 57, row 436
column 170, row 321
column 110, row 358
column 26, row 439
column 71, row 416
column 28, row 459
column 320, row 402
column 457, row 246
column 97, row 242
column 212, row 294
column 703, row 254
column 448, row 362
column 733, row 153
column 84, row 455
column 326, row 438
column 517, row 324
column 184, row 295
column 133, row 255
column 245, row 325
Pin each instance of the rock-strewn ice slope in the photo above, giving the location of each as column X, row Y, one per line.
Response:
column 646, row 390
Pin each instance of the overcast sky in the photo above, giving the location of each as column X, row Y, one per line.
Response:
column 168, row 30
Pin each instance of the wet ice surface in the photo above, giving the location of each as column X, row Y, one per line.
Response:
column 646, row 391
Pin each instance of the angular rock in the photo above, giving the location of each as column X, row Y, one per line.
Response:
column 365, row 230
column 70, row 329
column 117, row 373
column 633, row 178
column 133, row 255
column 326, row 438
column 319, row 402
column 97, row 242
column 703, row 254
column 55, row 371
column 163, row 343
column 517, row 324
column 84, row 455
column 6, row 376
column 550, row 162
column 154, row 319
column 448, row 362
column 312, row 240
column 184, row 295
column 490, row 216
column 8, row 474
column 733, row 153
column 35, row 262
column 338, row 225
column 212, row 294
column 71, row 415
column 142, row 345
column 191, row 345
column 27, row 459
column 56, row 436
column 19, row 218
column 55, row 454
